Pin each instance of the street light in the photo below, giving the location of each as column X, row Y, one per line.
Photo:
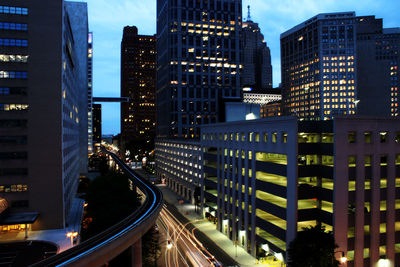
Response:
column 383, row 262
column 71, row 235
column 343, row 258
column 169, row 244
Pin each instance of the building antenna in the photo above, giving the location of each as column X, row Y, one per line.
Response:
column 248, row 13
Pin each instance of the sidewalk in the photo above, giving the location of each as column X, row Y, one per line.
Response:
column 56, row 236
column 209, row 229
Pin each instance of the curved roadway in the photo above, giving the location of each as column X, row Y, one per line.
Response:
column 110, row 243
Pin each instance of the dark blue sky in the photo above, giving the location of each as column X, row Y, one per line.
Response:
column 107, row 19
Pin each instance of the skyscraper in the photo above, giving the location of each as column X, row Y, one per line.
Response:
column 138, row 82
column 43, row 108
column 97, row 133
column 90, row 92
column 256, row 57
column 319, row 66
column 198, row 51
column 378, row 57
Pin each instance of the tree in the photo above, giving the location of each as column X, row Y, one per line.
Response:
column 313, row 247
column 110, row 199
column 151, row 250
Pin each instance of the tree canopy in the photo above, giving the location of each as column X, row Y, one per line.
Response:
column 110, row 199
column 313, row 247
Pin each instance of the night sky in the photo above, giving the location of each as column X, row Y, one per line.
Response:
column 107, row 19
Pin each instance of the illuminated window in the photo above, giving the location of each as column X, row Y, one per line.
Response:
column 13, row 42
column 368, row 137
column 274, row 137
column 265, row 137
column 352, row 161
column 352, row 137
column 13, row 10
column 284, row 137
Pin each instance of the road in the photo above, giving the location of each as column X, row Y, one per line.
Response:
column 185, row 249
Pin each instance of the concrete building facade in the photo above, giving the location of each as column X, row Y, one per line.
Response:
column 90, row 92
column 179, row 166
column 256, row 57
column 97, row 132
column 378, row 51
column 198, row 57
column 264, row 180
column 43, row 120
column 138, row 82
column 319, row 76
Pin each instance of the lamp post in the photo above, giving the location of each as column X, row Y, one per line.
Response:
column 343, row 258
column 383, row 262
column 169, row 244
column 71, row 235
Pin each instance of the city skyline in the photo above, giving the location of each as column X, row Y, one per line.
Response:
column 107, row 19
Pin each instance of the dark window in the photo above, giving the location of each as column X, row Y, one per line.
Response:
column 383, row 137
column 13, row 155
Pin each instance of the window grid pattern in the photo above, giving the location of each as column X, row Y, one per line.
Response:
column 13, row 26
column 13, row 42
column 13, row 10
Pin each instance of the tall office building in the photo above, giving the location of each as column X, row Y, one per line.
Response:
column 198, row 57
column 90, row 92
column 378, row 58
column 256, row 57
column 319, row 66
column 97, row 133
column 43, row 107
column 138, row 83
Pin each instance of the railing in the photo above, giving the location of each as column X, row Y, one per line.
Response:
column 113, row 241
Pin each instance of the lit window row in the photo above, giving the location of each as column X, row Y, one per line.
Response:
column 11, row 107
column 14, row 188
column 13, row 10
column 13, row 42
column 13, row 26
column 338, row 58
column 13, row 74
column 13, row 58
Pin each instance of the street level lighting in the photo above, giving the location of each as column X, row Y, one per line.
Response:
column 383, row 262
column 71, row 235
column 169, row 244
column 343, row 258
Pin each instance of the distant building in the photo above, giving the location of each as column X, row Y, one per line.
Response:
column 264, row 180
column 90, row 92
column 272, row 109
column 179, row 164
column 198, row 57
column 338, row 63
column 256, row 57
column 138, row 82
column 43, row 109
column 319, row 67
column 260, row 96
column 97, row 133
column 378, row 59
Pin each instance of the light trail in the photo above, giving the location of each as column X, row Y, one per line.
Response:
column 194, row 250
column 117, row 232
